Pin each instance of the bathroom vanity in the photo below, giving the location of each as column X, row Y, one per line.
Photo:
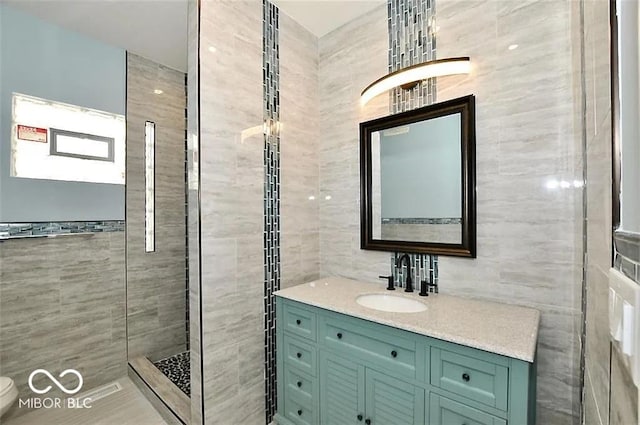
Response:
column 456, row 362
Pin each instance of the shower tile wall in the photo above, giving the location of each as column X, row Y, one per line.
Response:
column 232, row 196
column 156, row 302
column 232, row 190
column 518, row 262
column 62, row 306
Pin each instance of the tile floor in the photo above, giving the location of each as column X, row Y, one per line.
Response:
column 125, row 407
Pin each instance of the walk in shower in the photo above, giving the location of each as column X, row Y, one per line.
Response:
column 156, row 232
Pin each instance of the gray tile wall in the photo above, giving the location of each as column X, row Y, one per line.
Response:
column 350, row 58
column 598, row 192
column 518, row 261
column 232, row 191
column 300, row 198
column 62, row 305
column 529, row 237
column 624, row 393
column 237, row 274
column 156, row 301
column 530, row 248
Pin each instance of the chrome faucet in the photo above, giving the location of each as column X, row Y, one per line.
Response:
column 409, row 286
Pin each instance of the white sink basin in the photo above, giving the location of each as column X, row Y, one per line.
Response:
column 392, row 303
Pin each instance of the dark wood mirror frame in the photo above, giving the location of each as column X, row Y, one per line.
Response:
column 467, row 248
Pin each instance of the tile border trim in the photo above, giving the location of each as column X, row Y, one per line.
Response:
column 52, row 228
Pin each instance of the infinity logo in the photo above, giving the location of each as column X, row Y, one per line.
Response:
column 55, row 381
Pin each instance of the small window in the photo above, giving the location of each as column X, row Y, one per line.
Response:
column 81, row 145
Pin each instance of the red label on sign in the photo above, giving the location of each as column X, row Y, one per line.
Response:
column 32, row 134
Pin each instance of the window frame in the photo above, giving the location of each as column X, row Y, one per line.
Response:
column 53, row 150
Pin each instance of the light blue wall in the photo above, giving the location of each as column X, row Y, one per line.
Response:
column 43, row 60
column 421, row 170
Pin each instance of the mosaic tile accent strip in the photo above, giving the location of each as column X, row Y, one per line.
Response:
column 421, row 220
column 412, row 40
column 271, row 103
column 21, row 230
column 178, row 369
column 423, row 267
column 627, row 254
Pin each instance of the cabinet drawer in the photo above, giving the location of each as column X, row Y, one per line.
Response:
column 299, row 386
column 368, row 345
column 443, row 411
column 483, row 381
column 299, row 322
column 300, row 354
column 300, row 413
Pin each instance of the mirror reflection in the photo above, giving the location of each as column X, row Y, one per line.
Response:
column 417, row 181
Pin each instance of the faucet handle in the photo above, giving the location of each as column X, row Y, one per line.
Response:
column 423, row 288
column 390, row 285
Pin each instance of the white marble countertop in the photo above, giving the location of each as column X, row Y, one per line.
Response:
column 504, row 329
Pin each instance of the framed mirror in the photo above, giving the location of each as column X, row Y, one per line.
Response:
column 417, row 173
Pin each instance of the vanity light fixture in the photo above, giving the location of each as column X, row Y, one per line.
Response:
column 409, row 77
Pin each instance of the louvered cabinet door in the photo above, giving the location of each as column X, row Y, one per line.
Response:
column 390, row 401
column 341, row 391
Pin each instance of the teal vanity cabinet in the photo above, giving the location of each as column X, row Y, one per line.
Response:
column 335, row 369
